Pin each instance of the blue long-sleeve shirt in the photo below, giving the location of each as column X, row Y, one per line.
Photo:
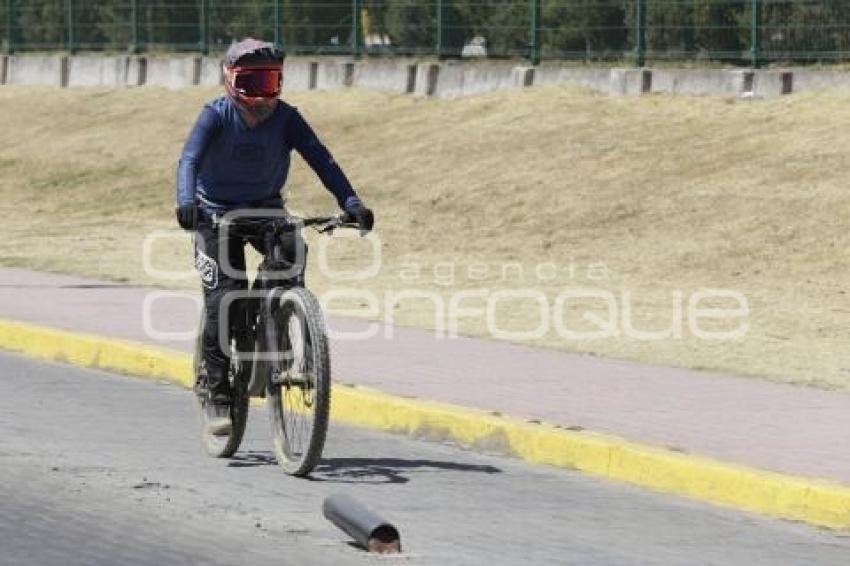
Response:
column 226, row 165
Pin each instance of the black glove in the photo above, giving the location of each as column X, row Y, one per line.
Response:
column 362, row 216
column 187, row 216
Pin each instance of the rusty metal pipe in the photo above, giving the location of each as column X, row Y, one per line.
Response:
column 369, row 530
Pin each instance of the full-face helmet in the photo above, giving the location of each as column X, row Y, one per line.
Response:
column 253, row 76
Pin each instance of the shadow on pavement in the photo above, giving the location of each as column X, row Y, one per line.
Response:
column 362, row 470
column 386, row 470
column 251, row 459
column 78, row 286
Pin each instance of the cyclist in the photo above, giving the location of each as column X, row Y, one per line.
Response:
column 237, row 156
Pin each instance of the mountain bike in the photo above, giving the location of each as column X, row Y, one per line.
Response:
column 278, row 350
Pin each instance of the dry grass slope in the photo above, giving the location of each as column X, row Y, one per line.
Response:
column 668, row 193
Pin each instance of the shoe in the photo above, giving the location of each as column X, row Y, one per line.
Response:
column 218, row 421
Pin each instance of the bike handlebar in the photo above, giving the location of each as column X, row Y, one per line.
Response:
column 278, row 223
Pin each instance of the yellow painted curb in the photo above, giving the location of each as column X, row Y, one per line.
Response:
column 814, row 501
column 122, row 356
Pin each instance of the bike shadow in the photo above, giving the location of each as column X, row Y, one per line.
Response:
column 251, row 460
column 386, row 470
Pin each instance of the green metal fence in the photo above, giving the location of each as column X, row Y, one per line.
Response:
column 732, row 31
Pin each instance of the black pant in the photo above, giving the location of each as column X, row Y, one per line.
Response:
column 213, row 246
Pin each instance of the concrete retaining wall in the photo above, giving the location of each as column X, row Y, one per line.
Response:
column 421, row 77
column 302, row 74
column 629, row 81
column 804, row 79
column 94, row 70
column 299, row 74
column 425, row 83
column 137, row 71
column 49, row 70
column 211, row 73
column 173, row 72
column 392, row 75
column 773, row 83
column 699, row 82
column 333, row 74
column 462, row 79
column 611, row 81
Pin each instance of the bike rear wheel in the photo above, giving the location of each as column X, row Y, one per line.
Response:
column 299, row 386
column 221, row 446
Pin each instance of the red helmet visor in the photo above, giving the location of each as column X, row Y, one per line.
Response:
column 257, row 83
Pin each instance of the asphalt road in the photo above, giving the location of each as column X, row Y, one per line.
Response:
column 99, row 469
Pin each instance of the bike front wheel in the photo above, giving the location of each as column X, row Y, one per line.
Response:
column 299, row 386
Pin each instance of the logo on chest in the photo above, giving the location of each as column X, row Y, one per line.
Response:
column 249, row 153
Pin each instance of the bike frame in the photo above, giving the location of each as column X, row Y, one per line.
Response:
column 250, row 330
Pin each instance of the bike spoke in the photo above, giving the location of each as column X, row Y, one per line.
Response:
column 295, row 384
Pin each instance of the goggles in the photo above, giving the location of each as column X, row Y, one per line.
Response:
column 257, row 83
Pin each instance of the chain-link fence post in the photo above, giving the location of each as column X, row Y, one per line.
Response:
column 10, row 26
column 355, row 28
column 534, row 43
column 278, row 23
column 134, row 26
column 203, row 24
column 438, row 44
column 69, row 25
column 640, row 34
column 755, row 34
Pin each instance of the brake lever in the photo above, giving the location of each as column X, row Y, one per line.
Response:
column 339, row 222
